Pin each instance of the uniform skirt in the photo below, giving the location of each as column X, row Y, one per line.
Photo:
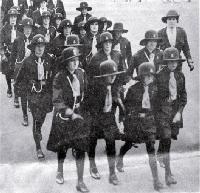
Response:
column 68, row 133
column 139, row 129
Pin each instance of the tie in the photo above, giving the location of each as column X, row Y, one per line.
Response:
column 13, row 34
column 27, row 51
column 15, row 2
column 108, row 101
column 75, row 86
column 151, row 58
column 172, row 87
column 109, row 57
column 94, row 43
column 40, row 69
column 145, row 99
column 47, row 36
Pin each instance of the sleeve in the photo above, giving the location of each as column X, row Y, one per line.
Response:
column 186, row 49
column 129, row 53
column 13, row 56
column 22, row 75
column 183, row 95
column 128, row 102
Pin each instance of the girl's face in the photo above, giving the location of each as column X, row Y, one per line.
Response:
column 46, row 20
column 110, row 79
column 73, row 64
column 151, row 45
column 84, row 11
column 94, row 27
column 82, row 32
column 13, row 19
column 172, row 65
column 58, row 21
column 67, row 30
column 107, row 46
column 117, row 34
column 43, row 4
column 147, row 79
column 27, row 30
column 39, row 50
column 172, row 22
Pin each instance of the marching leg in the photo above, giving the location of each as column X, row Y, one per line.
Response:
column 9, row 91
column 24, row 102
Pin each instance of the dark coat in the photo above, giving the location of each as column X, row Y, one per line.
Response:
column 59, row 4
column 36, row 16
column 139, row 129
column 70, row 133
column 28, row 74
column 125, row 47
column 167, row 110
column 139, row 57
column 181, row 41
column 78, row 19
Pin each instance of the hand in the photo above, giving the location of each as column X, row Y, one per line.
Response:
column 177, row 117
column 76, row 116
column 68, row 112
column 142, row 115
column 191, row 64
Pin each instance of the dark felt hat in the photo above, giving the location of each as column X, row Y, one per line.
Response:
column 64, row 23
column 119, row 27
column 146, row 68
column 90, row 21
column 104, row 37
column 84, row 5
column 73, row 41
column 37, row 39
column 69, row 53
column 172, row 54
column 105, row 20
column 170, row 14
column 13, row 11
column 150, row 35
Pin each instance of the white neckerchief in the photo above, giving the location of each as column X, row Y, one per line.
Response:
column 15, row 2
column 145, row 100
column 117, row 47
column 94, row 43
column 84, row 18
column 172, row 87
column 55, row 2
column 42, row 10
column 108, row 101
column 27, row 51
column 29, row 3
column 150, row 57
column 171, row 34
column 13, row 34
column 40, row 68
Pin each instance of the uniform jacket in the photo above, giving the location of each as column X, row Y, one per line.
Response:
column 57, row 45
column 140, row 57
column 125, row 47
column 36, row 16
column 181, row 41
column 59, row 4
column 52, row 30
column 78, row 19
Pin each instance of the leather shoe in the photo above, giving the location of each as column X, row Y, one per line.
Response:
column 40, row 154
column 25, row 121
column 120, row 165
column 113, row 179
column 170, row 180
column 59, row 178
column 16, row 103
column 81, row 187
column 9, row 93
column 94, row 173
column 157, row 185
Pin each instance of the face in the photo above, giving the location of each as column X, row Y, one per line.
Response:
column 94, row 27
column 84, row 11
column 67, row 30
column 107, row 46
column 58, row 21
column 147, row 79
column 73, row 64
column 13, row 19
column 172, row 22
column 39, row 50
column 46, row 20
column 43, row 4
column 110, row 79
column 82, row 32
column 117, row 34
column 172, row 65
column 27, row 30
column 151, row 45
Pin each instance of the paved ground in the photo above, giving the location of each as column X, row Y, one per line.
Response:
column 21, row 172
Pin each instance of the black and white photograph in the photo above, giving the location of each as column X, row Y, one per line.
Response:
column 99, row 96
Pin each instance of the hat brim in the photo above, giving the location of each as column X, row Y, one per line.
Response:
column 112, row 74
column 164, row 19
column 120, row 30
column 62, row 61
column 144, row 41
column 20, row 27
column 100, row 44
column 60, row 28
column 80, row 8
column 72, row 45
column 32, row 46
column 178, row 60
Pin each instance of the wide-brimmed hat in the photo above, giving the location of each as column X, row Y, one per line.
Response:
column 170, row 14
column 58, row 15
column 69, row 53
column 13, row 11
column 146, row 68
column 81, row 24
column 172, row 54
column 26, row 22
column 44, row 14
column 108, row 68
column 37, row 39
column 84, row 5
column 150, row 35
column 72, row 41
column 105, row 20
column 119, row 27
column 104, row 37
column 64, row 23
column 90, row 21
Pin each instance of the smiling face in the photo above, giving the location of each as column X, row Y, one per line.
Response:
column 172, row 22
column 172, row 65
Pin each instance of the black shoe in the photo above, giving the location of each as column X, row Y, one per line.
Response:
column 120, row 164
column 9, row 93
column 81, row 187
column 59, row 178
column 25, row 121
column 157, row 185
column 170, row 180
column 40, row 154
column 113, row 179
column 16, row 103
column 94, row 173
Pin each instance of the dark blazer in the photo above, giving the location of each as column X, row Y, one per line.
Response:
column 36, row 16
column 181, row 41
column 78, row 19
column 125, row 47
column 57, row 45
column 59, row 5
column 52, row 30
column 139, row 57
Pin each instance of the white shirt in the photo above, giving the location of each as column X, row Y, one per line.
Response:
column 171, row 34
column 15, row 2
